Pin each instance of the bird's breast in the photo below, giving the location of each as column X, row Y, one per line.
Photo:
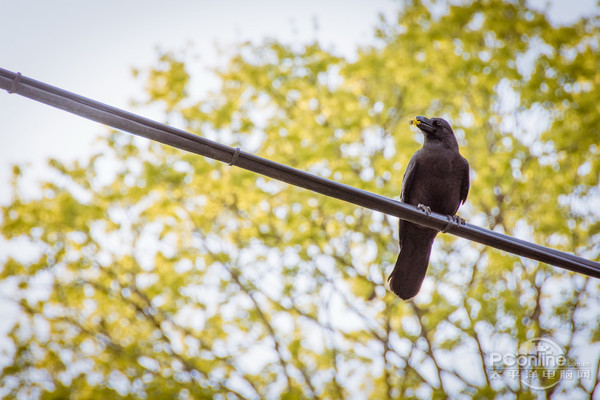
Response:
column 439, row 184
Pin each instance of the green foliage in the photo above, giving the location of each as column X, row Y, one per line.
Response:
column 179, row 277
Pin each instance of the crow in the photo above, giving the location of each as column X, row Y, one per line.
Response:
column 436, row 179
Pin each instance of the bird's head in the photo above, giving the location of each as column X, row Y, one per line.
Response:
column 435, row 129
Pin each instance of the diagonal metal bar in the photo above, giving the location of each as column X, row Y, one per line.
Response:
column 135, row 124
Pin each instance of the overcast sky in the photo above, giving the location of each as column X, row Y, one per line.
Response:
column 90, row 47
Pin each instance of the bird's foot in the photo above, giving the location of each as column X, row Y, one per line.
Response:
column 453, row 219
column 458, row 220
column 424, row 208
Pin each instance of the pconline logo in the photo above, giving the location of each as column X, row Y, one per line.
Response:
column 540, row 363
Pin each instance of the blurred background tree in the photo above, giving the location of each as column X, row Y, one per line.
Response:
column 159, row 274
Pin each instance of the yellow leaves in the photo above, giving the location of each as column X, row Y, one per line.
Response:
column 60, row 213
column 12, row 267
column 168, row 81
column 363, row 288
column 193, row 264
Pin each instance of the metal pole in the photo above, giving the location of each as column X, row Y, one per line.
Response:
column 135, row 124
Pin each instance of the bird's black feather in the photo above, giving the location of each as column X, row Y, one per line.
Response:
column 437, row 176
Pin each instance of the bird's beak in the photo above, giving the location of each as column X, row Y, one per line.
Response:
column 424, row 124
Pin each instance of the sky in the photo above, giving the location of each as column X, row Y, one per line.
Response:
column 90, row 48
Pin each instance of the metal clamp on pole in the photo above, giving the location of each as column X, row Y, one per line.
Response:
column 15, row 81
column 236, row 155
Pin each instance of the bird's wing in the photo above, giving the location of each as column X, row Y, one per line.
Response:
column 464, row 187
column 407, row 181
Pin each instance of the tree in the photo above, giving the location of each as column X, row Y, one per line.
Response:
column 177, row 276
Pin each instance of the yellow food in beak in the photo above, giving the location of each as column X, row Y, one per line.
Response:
column 415, row 122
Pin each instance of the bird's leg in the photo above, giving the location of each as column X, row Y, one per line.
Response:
column 424, row 208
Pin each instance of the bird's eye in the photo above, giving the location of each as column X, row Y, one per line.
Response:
column 436, row 122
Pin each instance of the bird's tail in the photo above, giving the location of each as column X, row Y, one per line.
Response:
column 410, row 269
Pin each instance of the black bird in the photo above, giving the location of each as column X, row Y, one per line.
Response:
column 436, row 179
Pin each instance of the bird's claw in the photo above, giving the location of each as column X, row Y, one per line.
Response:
column 458, row 220
column 424, row 208
column 453, row 219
